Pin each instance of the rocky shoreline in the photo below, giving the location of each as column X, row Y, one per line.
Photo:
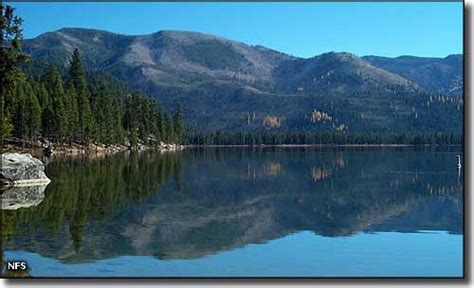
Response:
column 112, row 149
column 48, row 148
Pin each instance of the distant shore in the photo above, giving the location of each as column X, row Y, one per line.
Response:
column 317, row 145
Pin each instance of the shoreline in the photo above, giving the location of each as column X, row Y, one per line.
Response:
column 102, row 149
column 90, row 149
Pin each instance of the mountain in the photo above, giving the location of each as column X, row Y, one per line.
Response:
column 443, row 75
column 228, row 85
column 168, row 57
column 176, row 58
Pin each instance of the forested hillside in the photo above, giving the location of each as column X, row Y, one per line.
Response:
column 442, row 75
column 230, row 86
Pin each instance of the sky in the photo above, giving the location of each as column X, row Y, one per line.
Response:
column 300, row 29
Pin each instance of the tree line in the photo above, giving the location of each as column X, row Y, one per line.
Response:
column 69, row 109
column 194, row 137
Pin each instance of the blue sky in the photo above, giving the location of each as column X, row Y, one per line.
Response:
column 302, row 29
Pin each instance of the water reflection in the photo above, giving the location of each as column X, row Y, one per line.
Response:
column 204, row 201
column 22, row 197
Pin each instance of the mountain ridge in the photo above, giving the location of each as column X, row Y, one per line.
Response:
column 138, row 52
column 66, row 29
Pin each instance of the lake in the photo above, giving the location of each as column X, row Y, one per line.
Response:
column 246, row 212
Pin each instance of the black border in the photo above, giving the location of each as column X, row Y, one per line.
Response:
column 464, row 279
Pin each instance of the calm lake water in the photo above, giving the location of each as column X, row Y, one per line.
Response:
column 242, row 212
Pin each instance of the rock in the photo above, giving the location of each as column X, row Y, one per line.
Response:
column 164, row 147
column 23, row 169
column 48, row 151
column 23, row 197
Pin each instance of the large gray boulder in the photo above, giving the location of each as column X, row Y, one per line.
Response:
column 23, row 169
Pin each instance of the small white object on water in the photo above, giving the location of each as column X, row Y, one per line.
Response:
column 459, row 161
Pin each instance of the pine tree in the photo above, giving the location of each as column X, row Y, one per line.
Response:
column 162, row 125
column 117, row 115
column 102, row 113
column 148, row 119
column 18, row 115
column 56, row 122
column 130, row 118
column 70, row 105
column 33, row 117
column 76, row 78
column 169, row 129
column 11, row 57
column 106, row 125
column 178, row 123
